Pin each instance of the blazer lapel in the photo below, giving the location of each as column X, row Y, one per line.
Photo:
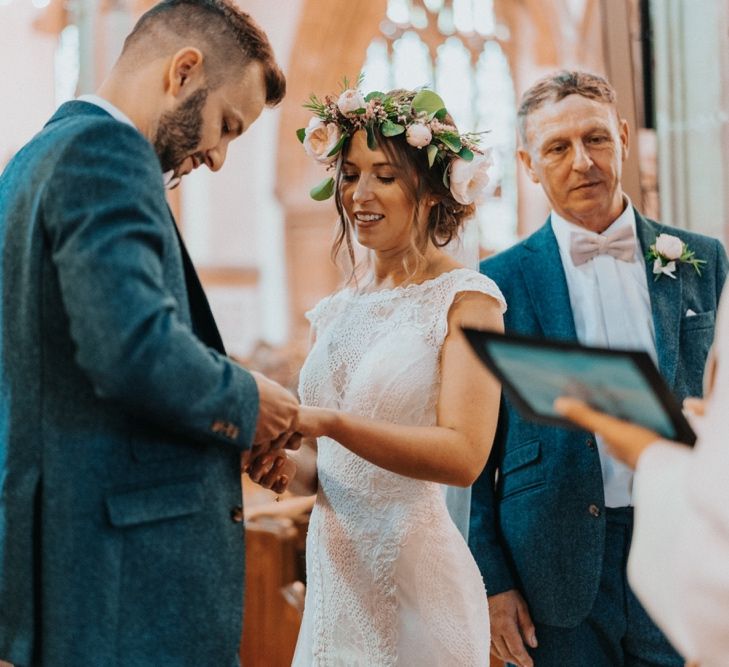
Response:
column 665, row 295
column 544, row 276
column 203, row 322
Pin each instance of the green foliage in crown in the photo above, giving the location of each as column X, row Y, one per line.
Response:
column 419, row 115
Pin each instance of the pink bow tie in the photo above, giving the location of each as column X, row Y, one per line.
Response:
column 621, row 245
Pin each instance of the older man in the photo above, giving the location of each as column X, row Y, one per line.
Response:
column 552, row 513
column 122, row 422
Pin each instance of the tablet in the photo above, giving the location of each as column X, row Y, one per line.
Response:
column 625, row 384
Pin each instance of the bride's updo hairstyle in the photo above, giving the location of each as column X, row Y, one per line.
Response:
column 437, row 167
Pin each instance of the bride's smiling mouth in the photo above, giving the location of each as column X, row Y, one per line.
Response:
column 367, row 218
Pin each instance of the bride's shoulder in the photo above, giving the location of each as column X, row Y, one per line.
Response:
column 326, row 306
column 471, row 281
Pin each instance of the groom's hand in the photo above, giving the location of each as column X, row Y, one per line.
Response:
column 276, row 412
column 287, row 440
column 511, row 628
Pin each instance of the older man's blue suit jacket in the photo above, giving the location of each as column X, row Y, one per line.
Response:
column 121, row 420
column 532, row 527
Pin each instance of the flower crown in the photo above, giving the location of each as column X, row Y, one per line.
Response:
column 419, row 115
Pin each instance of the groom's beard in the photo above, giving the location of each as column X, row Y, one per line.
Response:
column 179, row 131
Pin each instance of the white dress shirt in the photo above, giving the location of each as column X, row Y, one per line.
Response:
column 611, row 308
column 107, row 106
column 679, row 559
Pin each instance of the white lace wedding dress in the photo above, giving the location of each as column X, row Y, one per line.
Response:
column 390, row 580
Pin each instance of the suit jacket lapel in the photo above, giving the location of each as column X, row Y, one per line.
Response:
column 665, row 295
column 203, row 323
column 544, row 276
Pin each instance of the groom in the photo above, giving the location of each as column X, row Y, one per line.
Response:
column 551, row 516
column 122, row 422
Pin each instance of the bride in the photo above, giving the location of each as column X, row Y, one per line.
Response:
column 394, row 403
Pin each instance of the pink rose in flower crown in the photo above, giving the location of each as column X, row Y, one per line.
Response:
column 469, row 179
column 320, row 138
column 350, row 100
column 418, row 135
column 671, row 247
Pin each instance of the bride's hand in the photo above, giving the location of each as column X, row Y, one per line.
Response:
column 313, row 422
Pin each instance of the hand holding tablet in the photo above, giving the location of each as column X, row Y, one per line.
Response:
column 624, row 384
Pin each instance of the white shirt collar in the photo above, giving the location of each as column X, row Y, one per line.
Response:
column 107, row 106
column 563, row 229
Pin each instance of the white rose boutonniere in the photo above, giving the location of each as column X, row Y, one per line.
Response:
column 667, row 252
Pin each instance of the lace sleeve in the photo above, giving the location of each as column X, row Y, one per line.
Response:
column 322, row 313
column 467, row 281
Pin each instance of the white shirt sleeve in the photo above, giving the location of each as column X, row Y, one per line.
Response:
column 679, row 560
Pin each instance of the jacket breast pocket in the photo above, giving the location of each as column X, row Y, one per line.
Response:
column 158, row 503
column 521, row 470
column 699, row 321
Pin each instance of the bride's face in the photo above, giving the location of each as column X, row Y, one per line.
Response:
column 374, row 198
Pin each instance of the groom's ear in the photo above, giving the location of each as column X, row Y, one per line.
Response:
column 526, row 160
column 184, row 71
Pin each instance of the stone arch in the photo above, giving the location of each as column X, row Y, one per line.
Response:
column 331, row 41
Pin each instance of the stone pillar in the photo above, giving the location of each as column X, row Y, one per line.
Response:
column 618, row 49
column 692, row 113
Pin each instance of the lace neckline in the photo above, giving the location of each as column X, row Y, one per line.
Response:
column 400, row 290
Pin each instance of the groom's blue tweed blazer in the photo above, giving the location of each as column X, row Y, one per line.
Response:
column 534, row 526
column 121, row 419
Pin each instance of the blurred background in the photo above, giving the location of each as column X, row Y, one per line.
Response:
column 262, row 245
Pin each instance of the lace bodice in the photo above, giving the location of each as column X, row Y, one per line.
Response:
column 377, row 355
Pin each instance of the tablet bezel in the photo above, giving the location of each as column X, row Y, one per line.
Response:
column 480, row 340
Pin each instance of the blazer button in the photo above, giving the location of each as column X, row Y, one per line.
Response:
column 236, row 514
column 594, row 510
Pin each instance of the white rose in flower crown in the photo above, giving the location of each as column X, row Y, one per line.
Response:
column 320, row 138
column 671, row 247
column 350, row 100
column 469, row 179
column 418, row 135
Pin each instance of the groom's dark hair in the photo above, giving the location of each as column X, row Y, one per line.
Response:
column 556, row 87
column 227, row 37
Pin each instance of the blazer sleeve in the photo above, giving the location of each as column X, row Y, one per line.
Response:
column 484, row 536
column 722, row 266
column 106, row 223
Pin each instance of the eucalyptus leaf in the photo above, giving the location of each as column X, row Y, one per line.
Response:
column 337, row 146
column 428, row 101
column 441, row 114
column 301, row 133
column 432, row 152
column 452, row 141
column 371, row 139
column 446, row 179
column 373, row 94
column 323, row 191
column 466, row 154
column 390, row 129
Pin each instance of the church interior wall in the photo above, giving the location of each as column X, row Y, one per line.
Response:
column 262, row 245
